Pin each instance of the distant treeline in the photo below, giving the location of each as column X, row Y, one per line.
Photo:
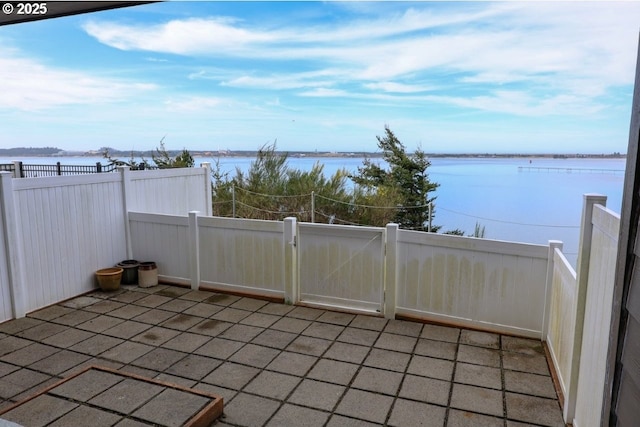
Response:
column 29, row 151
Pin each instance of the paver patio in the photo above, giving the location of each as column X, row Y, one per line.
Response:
column 280, row 365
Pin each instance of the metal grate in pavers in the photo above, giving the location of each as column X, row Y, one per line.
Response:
column 281, row 365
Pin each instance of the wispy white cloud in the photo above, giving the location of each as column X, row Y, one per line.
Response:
column 30, row 85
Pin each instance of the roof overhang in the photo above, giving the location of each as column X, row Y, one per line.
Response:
column 56, row 9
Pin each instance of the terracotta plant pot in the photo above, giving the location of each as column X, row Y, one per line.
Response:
column 109, row 278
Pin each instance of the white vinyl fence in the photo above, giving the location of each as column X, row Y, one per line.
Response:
column 580, row 314
column 57, row 231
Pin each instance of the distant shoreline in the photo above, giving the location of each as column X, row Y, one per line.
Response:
column 301, row 154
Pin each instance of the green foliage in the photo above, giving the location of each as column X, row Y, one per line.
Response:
column 404, row 183
column 163, row 160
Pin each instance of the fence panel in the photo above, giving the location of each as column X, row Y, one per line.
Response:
column 242, row 255
column 341, row 266
column 164, row 240
column 472, row 282
column 597, row 317
column 70, row 227
column 169, row 191
column 562, row 318
column 6, row 311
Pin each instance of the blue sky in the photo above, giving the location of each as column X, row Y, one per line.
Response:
column 450, row 77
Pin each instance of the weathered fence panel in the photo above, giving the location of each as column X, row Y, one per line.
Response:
column 242, row 255
column 472, row 282
column 563, row 305
column 341, row 266
column 597, row 317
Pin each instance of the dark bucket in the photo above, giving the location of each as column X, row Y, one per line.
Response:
column 130, row 271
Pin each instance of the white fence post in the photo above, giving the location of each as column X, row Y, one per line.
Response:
column 207, row 188
column 582, row 278
column 17, row 169
column 391, row 271
column 194, row 245
column 13, row 246
column 290, row 261
column 553, row 245
column 125, row 178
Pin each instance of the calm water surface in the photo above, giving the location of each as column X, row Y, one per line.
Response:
column 512, row 203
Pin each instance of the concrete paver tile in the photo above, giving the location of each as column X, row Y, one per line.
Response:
column 87, row 385
column 533, row 409
column 481, row 376
column 477, row 399
column 173, row 292
column 272, row 384
column 333, row 371
column 403, row 327
column 83, row 415
column 260, row 319
column 159, row 359
column 59, row 362
column 51, row 312
column 12, row 344
column 276, row 309
column 154, row 316
column 535, row 364
column 479, row 356
column 231, row 375
column 347, row 352
column 17, row 325
column 306, row 313
column 129, row 297
column 126, row 352
column 96, row 344
column 480, row 339
column 202, row 309
column 196, row 295
column 275, row 339
column 395, row 342
column 155, row 336
column 152, row 301
column 30, row 354
column 440, row 333
column 522, row 345
column 181, row 322
column 172, row 407
column 128, row 311
column 369, row 322
column 317, row 394
column 221, row 299
column 326, row 331
column 409, row 413
column 99, row 323
column 292, row 363
column 537, row 385
column 68, row 338
column 297, row 416
column 232, row 315
column 249, row 304
column 41, row 331
column 236, row 413
column 186, row 342
column 126, row 396
column 340, row 421
column 127, row 329
column 74, row 318
column 385, row 359
column 104, row 307
column 194, row 367
column 377, row 380
column 430, row 367
column 81, row 301
column 309, row 345
column 353, row 335
column 255, row 355
column 39, row 411
column 219, row 348
column 469, row 419
column 365, row 405
column 438, row 349
column 243, row 333
column 425, row 389
column 211, row 327
column 177, row 305
column 336, row 318
column 290, row 324
column 19, row 381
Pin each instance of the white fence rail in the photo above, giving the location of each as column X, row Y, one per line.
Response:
column 57, row 231
column 472, row 282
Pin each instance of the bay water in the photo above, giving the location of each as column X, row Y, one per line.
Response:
column 531, row 200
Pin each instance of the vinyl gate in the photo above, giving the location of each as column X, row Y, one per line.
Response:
column 341, row 266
